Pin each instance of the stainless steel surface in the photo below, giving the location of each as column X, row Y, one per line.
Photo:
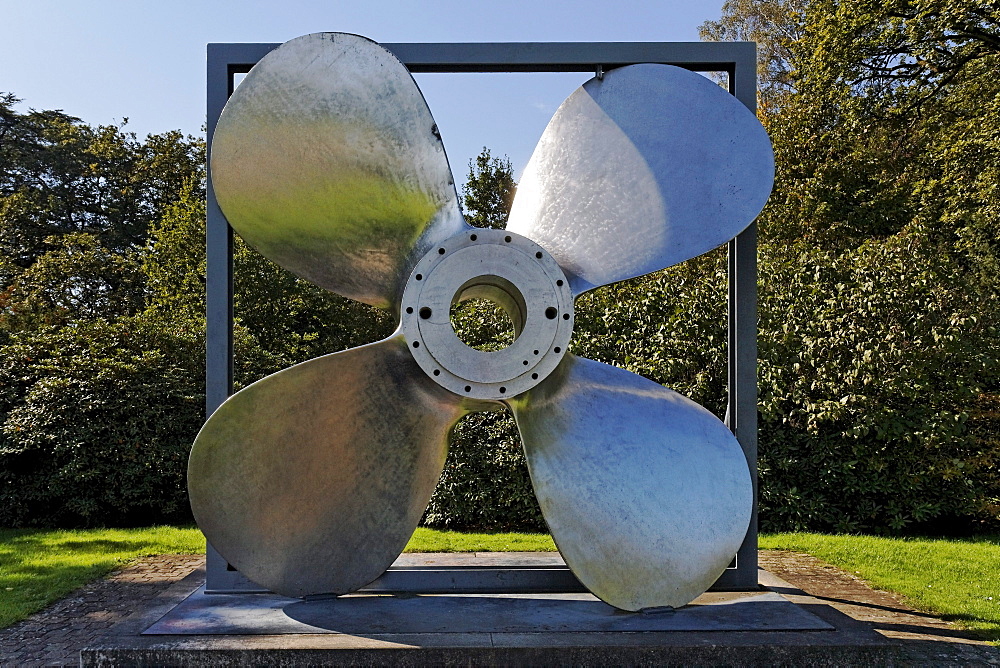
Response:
column 515, row 273
column 647, row 494
column 327, row 160
column 649, row 166
column 312, row 480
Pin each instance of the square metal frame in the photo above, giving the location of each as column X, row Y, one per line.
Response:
column 738, row 59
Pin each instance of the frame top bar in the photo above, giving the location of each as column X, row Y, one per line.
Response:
column 533, row 56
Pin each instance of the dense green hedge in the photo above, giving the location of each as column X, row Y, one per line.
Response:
column 871, row 362
column 485, row 483
column 878, row 377
column 97, row 421
column 875, row 369
column 879, row 374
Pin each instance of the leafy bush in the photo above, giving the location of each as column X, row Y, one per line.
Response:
column 870, row 361
column 669, row 326
column 485, row 483
column 96, row 421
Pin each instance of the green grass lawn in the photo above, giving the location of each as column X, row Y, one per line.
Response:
column 431, row 540
column 39, row 566
column 956, row 579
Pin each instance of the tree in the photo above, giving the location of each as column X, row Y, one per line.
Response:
column 489, row 191
column 878, row 341
column 59, row 175
column 282, row 319
column 173, row 260
column 78, row 279
column 76, row 204
column 917, row 46
column 101, row 381
column 923, row 74
column 488, row 195
column 774, row 25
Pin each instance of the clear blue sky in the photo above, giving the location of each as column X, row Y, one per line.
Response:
column 105, row 60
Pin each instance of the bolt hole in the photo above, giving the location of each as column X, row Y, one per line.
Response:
column 534, row 352
column 473, row 237
column 559, row 282
column 416, row 344
column 551, row 313
column 557, row 349
column 419, row 277
column 565, row 316
column 507, row 239
column 425, row 312
column 538, row 254
column 503, row 390
column 525, row 362
column 437, row 372
column 440, row 251
column 409, row 309
column 468, row 388
column 534, row 376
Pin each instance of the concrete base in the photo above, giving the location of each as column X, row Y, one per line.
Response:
column 192, row 628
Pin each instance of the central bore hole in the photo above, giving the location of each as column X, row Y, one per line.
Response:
column 487, row 313
column 482, row 324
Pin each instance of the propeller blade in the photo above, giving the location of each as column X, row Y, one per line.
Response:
column 327, row 160
column 649, row 166
column 647, row 494
column 310, row 481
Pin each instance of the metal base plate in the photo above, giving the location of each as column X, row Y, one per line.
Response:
column 364, row 614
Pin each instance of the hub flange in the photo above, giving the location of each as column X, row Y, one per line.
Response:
column 517, row 274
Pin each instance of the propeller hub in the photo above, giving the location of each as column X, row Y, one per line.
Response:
column 512, row 271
